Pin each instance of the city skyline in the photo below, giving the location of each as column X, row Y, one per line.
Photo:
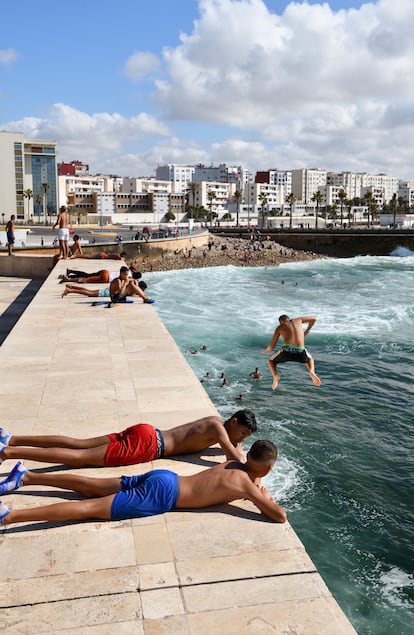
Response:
column 272, row 84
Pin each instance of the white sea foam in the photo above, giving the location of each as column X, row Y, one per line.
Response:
column 396, row 584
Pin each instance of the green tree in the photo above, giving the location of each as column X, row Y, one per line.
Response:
column 290, row 200
column 211, row 197
column 28, row 194
column 263, row 202
column 191, row 190
column 368, row 203
column 237, row 197
column 342, row 196
column 393, row 204
column 169, row 216
column 317, row 198
column 45, row 187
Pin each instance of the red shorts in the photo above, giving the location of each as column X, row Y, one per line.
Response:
column 137, row 444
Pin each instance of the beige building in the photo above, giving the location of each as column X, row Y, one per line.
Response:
column 28, row 178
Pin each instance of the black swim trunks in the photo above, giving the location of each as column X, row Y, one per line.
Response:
column 291, row 354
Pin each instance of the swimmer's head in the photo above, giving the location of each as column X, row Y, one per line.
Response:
column 284, row 318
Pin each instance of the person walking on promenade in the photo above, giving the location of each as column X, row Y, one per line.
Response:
column 293, row 346
column 62, row 223
column 137, row 444
column 151, row 493
column 10, row 235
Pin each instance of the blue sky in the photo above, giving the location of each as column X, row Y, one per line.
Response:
column 126, row 86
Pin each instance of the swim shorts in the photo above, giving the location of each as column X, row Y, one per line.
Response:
column 136, row 444
column 104, row 293
column 146, row 494
column 63, row 233
column 10, row 238
column 291, row 354
column 119, row 298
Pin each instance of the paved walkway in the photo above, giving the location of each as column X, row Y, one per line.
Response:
column 75, row 369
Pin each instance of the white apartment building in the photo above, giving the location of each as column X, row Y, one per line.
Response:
column 222, row 193
column 70, row 184
column 406, row 192
column 276, row 177
column 26, row 165
column 306, row 181
column 221, row 174
column 356, row 184
column 180, row 175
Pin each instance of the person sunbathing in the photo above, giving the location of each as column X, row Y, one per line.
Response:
column 137, row 444
column 151, row 493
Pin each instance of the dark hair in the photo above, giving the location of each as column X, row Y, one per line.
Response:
column 245, row 418
column 123, row 253
column 122, row 269
column 75, row 236
column 136, row 274
column 263, row 452
column 142, row 285
column 283, row 317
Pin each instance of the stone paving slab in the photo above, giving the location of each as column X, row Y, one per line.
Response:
column 71, row 368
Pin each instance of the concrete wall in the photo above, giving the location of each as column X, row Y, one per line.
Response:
column 37, row 262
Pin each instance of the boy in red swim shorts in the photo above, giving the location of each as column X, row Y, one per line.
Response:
column 137, row 444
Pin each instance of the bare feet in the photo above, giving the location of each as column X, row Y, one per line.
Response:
column 315, row 378
column 275, row 381
column 65, row 292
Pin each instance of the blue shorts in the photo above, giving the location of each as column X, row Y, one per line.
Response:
column 104, row 293
column 146, row 494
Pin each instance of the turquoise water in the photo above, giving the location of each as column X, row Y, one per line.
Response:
column 345, row 469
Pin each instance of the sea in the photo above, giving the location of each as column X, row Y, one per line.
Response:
column 346, row 452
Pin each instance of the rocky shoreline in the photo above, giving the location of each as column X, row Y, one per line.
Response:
column 226, row 251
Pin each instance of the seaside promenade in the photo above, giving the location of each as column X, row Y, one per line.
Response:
column 71, row 368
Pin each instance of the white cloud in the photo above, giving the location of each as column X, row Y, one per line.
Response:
column 313, row 80
column 140, row 64
column 97, row 136
column 8, row 56
column 310, row 87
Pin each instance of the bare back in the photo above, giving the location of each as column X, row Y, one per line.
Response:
column 63, row 220
column 222, row 484
column 194, row 436
column 292, row 332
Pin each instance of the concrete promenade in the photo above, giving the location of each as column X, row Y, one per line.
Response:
column 71, row 368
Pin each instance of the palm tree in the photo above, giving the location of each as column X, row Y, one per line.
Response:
column 237, row 196
column 263, row 202
column 368, row 201
column 393, row 203
column 317, row 198
column 191, row 189
column 39, row 200
column 45, row 187
column 291, row 200
column 211, row 196
column 342, row 196
column 28, row 194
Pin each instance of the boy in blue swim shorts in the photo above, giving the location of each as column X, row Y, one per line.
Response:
column 148, row 494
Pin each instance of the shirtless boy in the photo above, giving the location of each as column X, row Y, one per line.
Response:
column 137, row 444
column 293, row 347
column 94, row 293
column 63, row 233
column 151, row 493
column 124, row 286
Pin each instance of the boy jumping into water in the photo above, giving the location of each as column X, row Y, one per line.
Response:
column 151, row 493
column 138, row 444
column 293, row 347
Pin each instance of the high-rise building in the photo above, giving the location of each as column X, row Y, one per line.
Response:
column 28, row 171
